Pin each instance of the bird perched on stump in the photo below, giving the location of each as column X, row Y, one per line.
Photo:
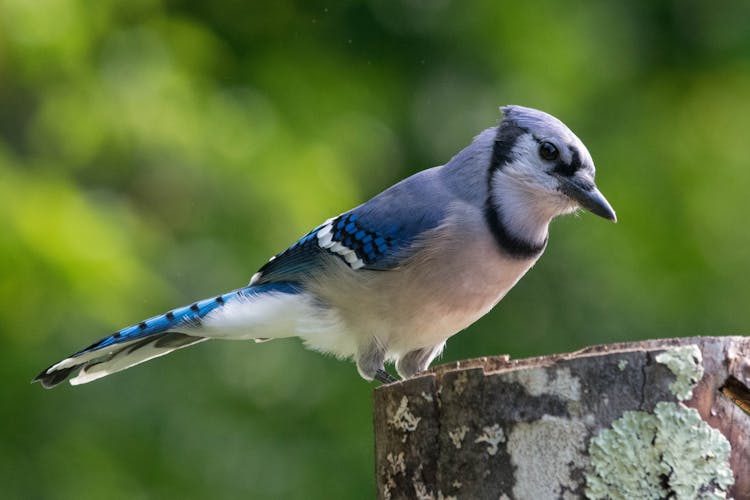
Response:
column 395, row 277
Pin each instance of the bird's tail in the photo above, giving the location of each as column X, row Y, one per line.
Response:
column 146, row 340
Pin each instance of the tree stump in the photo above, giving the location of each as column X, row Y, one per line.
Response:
column 653, row 419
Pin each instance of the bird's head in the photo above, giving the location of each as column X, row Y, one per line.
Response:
column 537, row 159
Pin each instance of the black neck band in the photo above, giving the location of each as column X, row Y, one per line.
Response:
column 507, row 134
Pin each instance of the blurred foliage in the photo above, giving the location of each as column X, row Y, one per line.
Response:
column 155, row 152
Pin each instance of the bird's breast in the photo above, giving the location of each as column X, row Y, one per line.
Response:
column 455, row 274
column 449, row 288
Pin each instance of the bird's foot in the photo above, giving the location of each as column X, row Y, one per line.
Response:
column 383, row 376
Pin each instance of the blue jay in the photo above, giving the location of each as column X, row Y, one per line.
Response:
column 395, row 277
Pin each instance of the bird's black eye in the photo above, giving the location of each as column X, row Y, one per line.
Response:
column 548, row 151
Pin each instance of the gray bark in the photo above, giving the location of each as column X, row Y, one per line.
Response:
column 654, row 419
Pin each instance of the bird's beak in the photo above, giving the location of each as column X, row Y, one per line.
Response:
column 587, row 195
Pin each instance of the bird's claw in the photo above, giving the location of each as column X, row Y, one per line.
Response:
column 383, row 376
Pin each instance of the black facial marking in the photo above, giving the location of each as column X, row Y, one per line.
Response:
column 142, row 325
column 569, row 170
column 507, row 134
column 169, row 315
column 117, row 335
column 219, row 299
column 195, row 308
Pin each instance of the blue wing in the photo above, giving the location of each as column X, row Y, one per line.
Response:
column 377, row 235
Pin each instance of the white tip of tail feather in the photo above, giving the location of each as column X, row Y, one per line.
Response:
column 125, row 359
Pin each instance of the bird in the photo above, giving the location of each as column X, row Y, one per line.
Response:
column 390, row 280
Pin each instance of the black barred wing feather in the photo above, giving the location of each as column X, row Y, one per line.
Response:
column 377, row 235
column 351, row 238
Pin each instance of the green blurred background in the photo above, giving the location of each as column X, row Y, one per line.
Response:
column 156, row 152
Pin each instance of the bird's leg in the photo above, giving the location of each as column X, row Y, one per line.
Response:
column 417, row 361
column 370, row 361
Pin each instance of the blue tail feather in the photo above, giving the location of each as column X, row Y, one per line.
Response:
column 183, row 316
column 181, row 319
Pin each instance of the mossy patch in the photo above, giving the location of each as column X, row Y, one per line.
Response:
column 687, row 365
column 670, row 453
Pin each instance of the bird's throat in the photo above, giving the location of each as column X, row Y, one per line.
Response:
column 520, row 226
